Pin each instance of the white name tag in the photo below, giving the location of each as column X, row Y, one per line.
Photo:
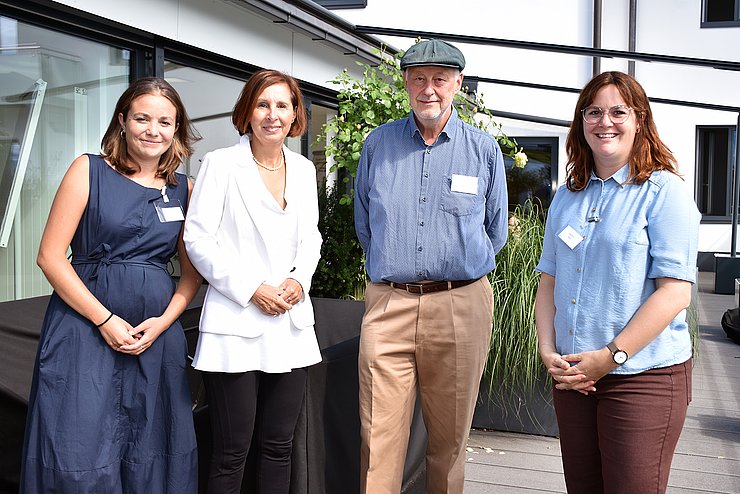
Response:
column 169, row 211
column 571, row 237
column 464, row 184
column 172, row 214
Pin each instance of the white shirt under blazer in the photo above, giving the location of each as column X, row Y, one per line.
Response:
column 238, row 237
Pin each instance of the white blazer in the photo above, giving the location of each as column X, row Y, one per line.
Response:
column 225, row 233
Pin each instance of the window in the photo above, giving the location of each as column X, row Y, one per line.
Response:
column 715, row 160
column 41, row 134
column 720, row 13
column 537, row 179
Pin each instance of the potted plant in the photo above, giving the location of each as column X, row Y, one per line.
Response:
column 515, row 391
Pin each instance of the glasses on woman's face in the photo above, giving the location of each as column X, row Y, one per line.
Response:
column 617, row 114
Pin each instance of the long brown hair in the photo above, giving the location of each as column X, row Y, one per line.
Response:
column 247, row 102
column 648, row 152
column 113, row 144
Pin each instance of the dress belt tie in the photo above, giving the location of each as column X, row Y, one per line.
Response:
column 100, row 256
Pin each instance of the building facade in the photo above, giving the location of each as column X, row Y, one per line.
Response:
column 64, row 63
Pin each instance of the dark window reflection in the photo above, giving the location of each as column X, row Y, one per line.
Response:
column 536, row 180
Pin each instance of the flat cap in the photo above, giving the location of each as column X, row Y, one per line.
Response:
column 433, row 52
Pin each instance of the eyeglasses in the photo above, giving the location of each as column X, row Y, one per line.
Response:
column 617, row 114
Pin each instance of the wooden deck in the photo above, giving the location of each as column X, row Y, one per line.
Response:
column 707, row 458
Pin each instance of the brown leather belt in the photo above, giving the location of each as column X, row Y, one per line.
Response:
column 436, row 286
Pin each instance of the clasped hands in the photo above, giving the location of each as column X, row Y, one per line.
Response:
column 578, row 371
column 277, row 300
column 124, row 338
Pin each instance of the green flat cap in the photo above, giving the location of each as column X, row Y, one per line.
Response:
column 433, row 52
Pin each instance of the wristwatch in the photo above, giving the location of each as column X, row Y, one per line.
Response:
column 619, row 356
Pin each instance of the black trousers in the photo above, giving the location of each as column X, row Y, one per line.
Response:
column 256, row 402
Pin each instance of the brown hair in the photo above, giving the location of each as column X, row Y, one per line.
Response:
column 113, row 144
column 648, row 152
column 247, row 102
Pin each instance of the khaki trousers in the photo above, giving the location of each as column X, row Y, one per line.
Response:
column 436, row 343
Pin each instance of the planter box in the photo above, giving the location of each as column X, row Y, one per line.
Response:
column 529, row 411
column 726, row 269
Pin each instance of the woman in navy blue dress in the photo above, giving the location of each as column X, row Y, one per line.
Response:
column 110, row 410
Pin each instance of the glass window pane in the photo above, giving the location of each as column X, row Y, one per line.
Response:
column 83, row 81
column 719, row 10
column 715, row 158
column 209, row 99
column 534, row 181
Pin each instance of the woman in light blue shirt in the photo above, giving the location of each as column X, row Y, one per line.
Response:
column 618, row 262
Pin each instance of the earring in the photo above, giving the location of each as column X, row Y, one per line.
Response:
column 122, row 134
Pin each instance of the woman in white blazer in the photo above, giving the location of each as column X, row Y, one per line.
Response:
column 252, row 233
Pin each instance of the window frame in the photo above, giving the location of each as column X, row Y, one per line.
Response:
column 714, row 24
column 698, row 176
column 554, row 142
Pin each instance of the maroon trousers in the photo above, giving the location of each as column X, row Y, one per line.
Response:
column 621, row 438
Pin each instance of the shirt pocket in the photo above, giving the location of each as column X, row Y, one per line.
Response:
column 460, row 203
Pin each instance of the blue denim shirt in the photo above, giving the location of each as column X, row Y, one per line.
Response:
column 430, row 212
column 629, row 236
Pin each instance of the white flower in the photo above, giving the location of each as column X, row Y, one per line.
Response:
column 520, row 159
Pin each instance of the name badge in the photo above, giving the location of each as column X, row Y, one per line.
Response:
column 571, row 237
column 169, row 211
column 464, row 184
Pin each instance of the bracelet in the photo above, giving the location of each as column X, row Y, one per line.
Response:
column 106, row 320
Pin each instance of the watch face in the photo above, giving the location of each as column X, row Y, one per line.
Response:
column 620, row 357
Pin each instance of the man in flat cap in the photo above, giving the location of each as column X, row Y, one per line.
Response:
column 431, row 214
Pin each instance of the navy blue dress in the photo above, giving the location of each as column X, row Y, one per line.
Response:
column 101, row 421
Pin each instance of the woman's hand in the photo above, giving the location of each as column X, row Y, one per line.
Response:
column 269, row 301
column 117, row 333
column 291, row 291
column 567, row 376
column 594, row 364
column 144, row 335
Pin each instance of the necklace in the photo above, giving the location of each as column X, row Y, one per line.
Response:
column 270, row 168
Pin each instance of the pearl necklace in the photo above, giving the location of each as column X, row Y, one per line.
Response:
column 270, row 168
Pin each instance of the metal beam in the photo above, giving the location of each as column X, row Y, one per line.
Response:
column 549, row 47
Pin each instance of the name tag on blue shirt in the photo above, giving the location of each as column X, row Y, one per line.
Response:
column 570, row 237
column 464, row 184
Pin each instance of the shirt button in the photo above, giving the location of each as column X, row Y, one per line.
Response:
column 423, row 199
column 593, row 209
column 429, row 151
column 419, row 249
column 420, row 275
column 426, row 174
column 570, row 332
column 578, row 270
column 572, row 301
column 421, row 223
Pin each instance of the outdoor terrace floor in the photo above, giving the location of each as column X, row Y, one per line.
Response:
column 707, row 458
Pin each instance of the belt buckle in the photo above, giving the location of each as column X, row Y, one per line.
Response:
column 415, row 285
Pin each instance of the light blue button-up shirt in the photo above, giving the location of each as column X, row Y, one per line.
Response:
column 627, row 236
column 430, row 212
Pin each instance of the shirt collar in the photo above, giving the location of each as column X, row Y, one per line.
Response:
column 448, row 131
column 621, row 176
